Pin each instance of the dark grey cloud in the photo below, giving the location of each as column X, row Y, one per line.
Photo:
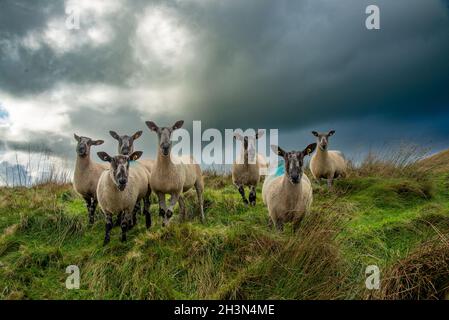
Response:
column 291, row 65
column 48, row 143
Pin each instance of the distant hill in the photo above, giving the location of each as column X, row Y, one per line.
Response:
column 438, row 162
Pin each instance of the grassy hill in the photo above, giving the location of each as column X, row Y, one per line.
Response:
column 395, row 216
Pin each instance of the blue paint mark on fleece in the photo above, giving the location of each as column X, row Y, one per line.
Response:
column 277, row 172
column 280, row 170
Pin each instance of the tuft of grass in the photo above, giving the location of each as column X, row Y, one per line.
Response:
column 423, row 274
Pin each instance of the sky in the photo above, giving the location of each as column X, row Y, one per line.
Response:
column 295, row 66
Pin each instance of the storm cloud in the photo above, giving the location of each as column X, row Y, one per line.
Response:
column 292, row 65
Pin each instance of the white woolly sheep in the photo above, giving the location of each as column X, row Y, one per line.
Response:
column 289, row 196
column 87, row 173
column 172, row 175
column 327, row 164
column 126, row 147
column 246, row 169
column 120, row 188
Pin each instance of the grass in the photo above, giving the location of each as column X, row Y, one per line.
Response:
column 397, row 220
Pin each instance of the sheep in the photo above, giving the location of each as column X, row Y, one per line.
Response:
column 120, row 188
column 327, row 164
column 126, row 147
column 288, row 195
column 87, row 173
column 172, row 175
column 246, row 170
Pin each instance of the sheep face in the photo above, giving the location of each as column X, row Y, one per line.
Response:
column 249, row 143
column 84, row 144
column 164, row 135
column 125, row 142
column 120, row 167
column 323, row 138
column 294, row 162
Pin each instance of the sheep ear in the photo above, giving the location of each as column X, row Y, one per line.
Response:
column 278, row 150
column 260, row 133
column 309, row 149
column 96, row 142
column 178, row 125
column 77, row 138
column 315, row 133
column 137, row 135
column 135, row 155
column 331, row 133
column 152, row 126
column 104, row 156
column 114, row 135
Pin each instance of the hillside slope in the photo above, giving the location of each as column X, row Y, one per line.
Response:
column 365, row 220
column 437, row 163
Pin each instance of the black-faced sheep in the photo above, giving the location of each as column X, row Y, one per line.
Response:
column 288, row 195
column 120, row 188
column 126, row 147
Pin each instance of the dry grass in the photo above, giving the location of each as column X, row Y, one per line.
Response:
column 424, row 274
column 437, row 163
column 393, row 161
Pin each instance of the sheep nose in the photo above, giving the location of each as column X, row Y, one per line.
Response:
column 165, row 148
column 295, row 178
column 125, row 151
column 122, row 181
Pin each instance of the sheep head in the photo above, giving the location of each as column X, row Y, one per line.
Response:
column 323, row 138
column 294, row 161
column 125, row 142
column 84, row 144
column 164, row 135
column 120, row 167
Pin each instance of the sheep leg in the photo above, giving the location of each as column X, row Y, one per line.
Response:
column 297, row 223
column 162, row 204
column 278, row 224
column 107, row 235
column 199, row 193
column 330, row 181
column 93, row 207
column 135, row 211
column 182, row 208
column 118, row 222
column 242, row 193
column 124, row 226
column 88, row 200
column 146, row 211
column 171, row 207
column 252, row 196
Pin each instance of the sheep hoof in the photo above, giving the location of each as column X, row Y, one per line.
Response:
column 169, row 214
column 147, row 220
column 123, row 239
column 161, row 212
column 245, row 201
column 106, row 241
